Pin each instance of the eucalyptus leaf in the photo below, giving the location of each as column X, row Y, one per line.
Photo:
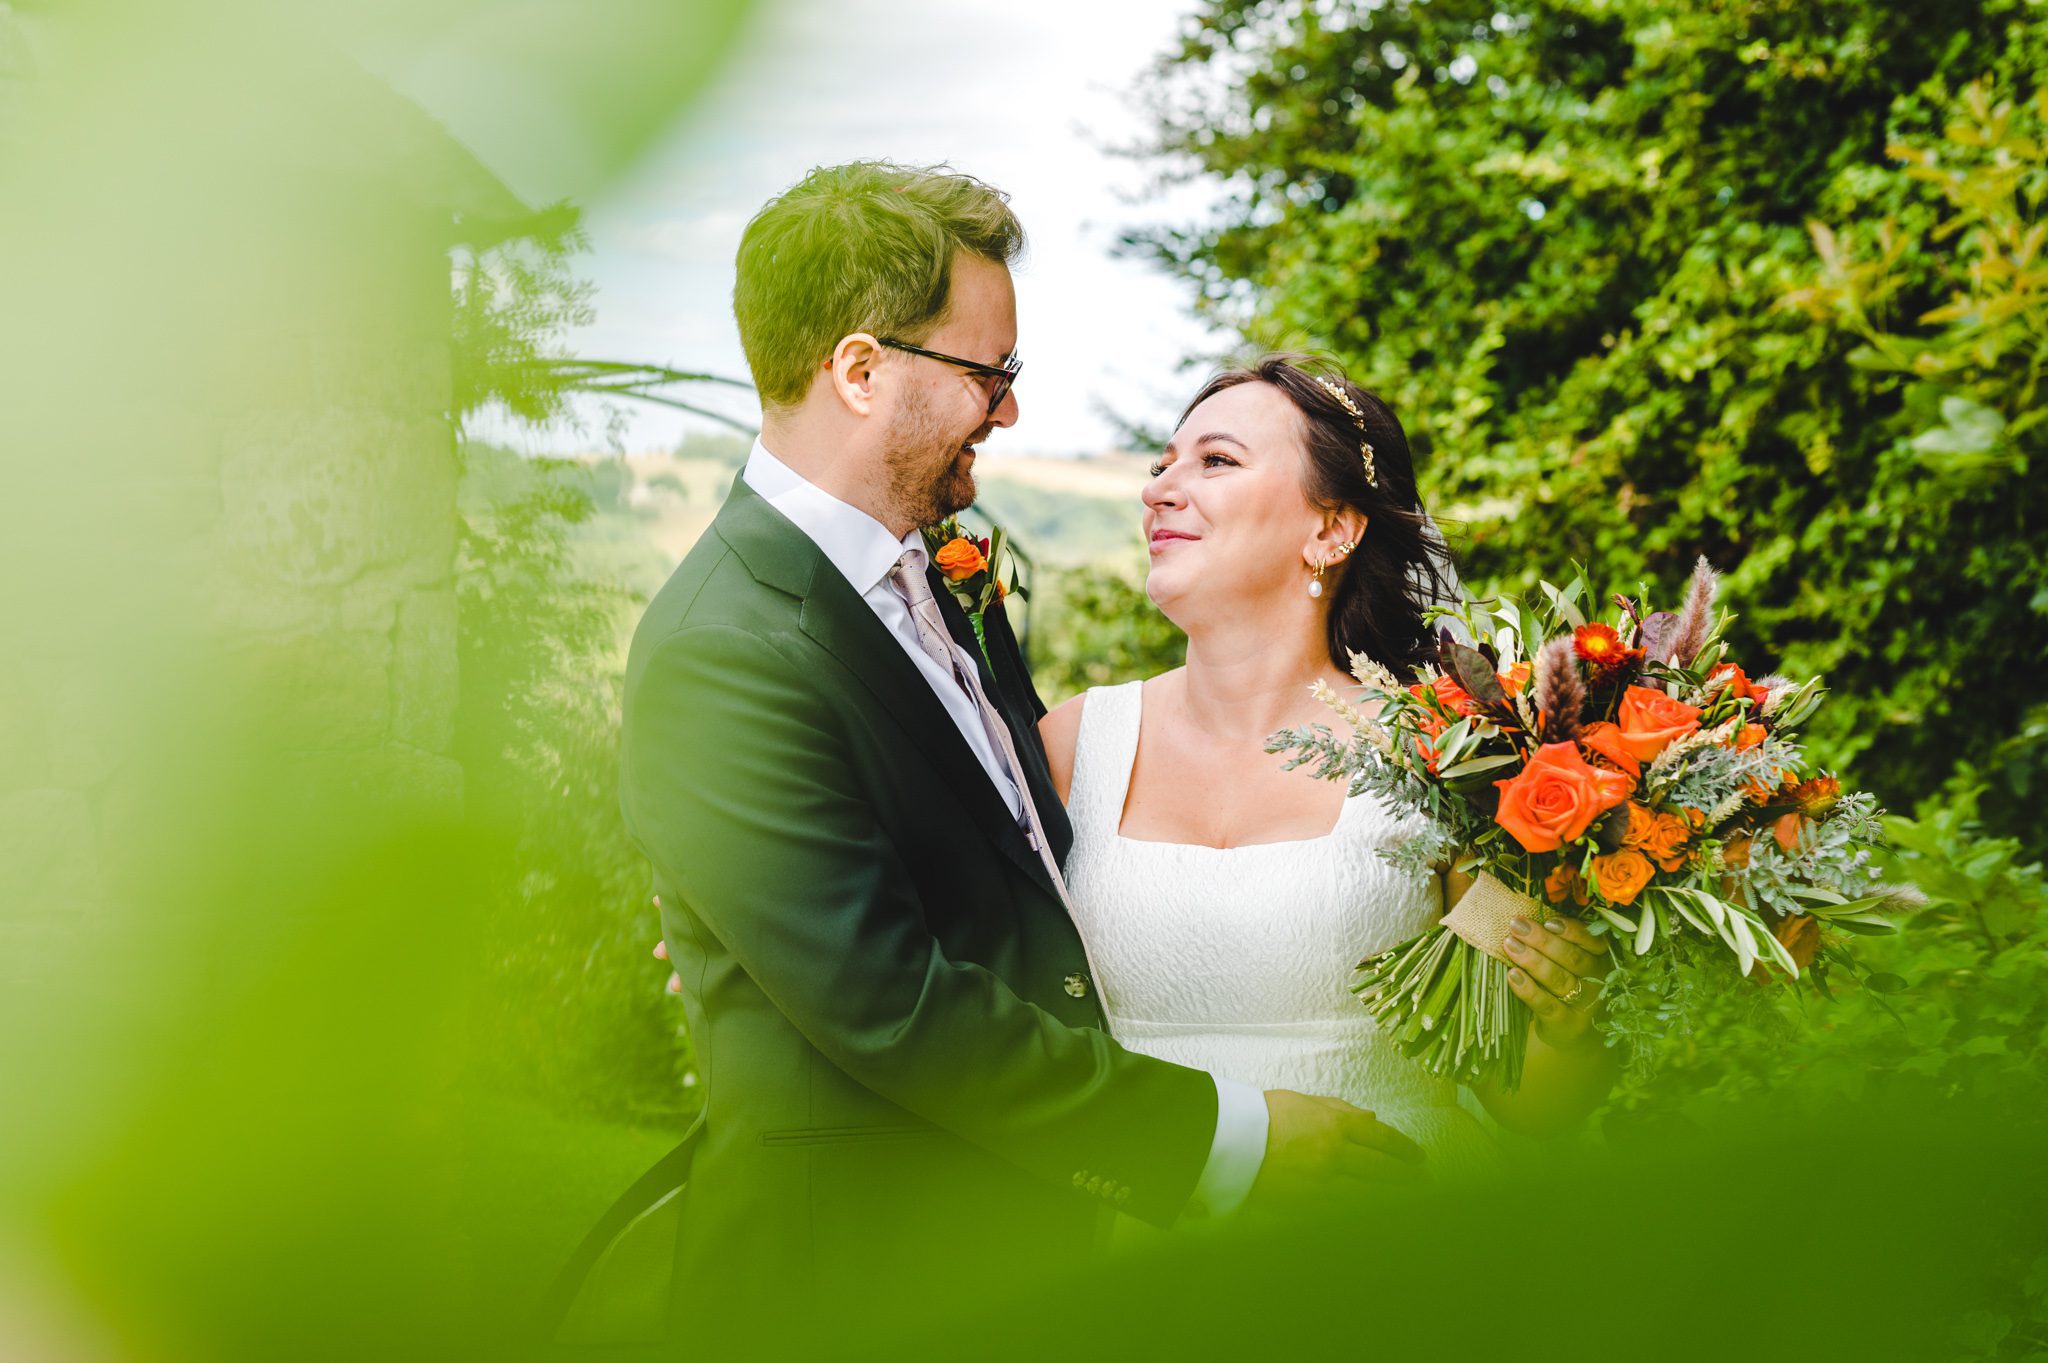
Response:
column 1476, row 765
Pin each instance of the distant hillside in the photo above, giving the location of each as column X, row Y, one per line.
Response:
column 652, row 507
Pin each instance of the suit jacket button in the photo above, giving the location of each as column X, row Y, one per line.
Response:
column 1123, row 1195
column 1095, row 1185
column 1077, row 986
column 1080, row 1178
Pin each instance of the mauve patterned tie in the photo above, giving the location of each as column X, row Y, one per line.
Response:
column 909, row 580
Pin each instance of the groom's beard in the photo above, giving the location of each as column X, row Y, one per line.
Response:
column 927, row 470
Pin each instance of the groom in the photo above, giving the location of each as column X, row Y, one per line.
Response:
column 909, row 1091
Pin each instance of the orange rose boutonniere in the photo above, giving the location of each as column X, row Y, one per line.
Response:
column 1555, row 798
column 960, row 559
column 969, row 566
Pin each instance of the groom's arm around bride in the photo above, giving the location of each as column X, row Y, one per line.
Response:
column 853, row 832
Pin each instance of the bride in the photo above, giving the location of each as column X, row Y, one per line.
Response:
column 1223, row 899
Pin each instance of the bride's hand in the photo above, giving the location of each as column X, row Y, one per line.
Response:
column 1556, row 969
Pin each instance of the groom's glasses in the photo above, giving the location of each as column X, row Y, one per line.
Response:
column 1003, row 375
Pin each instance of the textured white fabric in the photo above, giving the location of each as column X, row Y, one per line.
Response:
column 864, row 552
column 1239, row 960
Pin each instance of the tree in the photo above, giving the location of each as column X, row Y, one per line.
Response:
column 1643, row 281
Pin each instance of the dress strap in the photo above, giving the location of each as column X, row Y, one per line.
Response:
column 1104, row 751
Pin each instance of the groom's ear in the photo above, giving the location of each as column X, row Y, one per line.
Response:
column 852, row 365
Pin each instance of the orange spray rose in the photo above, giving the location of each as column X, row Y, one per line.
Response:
column 1622, row 875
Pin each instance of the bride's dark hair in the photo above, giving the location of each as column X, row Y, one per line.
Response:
column 1401, row 565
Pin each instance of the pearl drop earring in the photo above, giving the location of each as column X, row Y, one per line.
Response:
column 1315, row 583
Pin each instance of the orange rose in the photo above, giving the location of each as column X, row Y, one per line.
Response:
column 1650, row 721
column 1748, row 736
column 1620, row 876
column 1786, row 831
column 1566, row 882
column 1657, row 834
column 1738, row 681
column 960, row 559
column 1604, row 740
column 1666, row 844
column 1556, row 797
column 1449, row 695
column 1800, row 936
column 1515, row 678
column 1433, row 726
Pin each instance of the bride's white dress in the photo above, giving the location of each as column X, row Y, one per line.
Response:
column 1238, row 960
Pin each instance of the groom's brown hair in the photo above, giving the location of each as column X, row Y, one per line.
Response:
column 862, row 247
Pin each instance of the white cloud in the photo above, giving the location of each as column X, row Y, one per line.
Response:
column 1025, row 96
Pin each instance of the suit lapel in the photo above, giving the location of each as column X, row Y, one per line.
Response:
column 833, row 614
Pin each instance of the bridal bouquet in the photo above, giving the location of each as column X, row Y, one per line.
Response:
column 1628, row 773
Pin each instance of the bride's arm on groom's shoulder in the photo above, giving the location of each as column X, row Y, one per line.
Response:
column 1060, row 731
column 1556, row 968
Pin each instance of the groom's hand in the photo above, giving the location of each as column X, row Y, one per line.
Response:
column 1317, row 1146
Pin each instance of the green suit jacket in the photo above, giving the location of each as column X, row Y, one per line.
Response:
column 907, row 1081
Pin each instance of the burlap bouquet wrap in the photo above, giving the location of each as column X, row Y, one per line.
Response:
column 1481, row 917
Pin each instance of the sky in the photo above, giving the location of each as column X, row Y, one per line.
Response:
column 1028, row 97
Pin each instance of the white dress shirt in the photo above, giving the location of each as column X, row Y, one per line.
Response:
column 864, row 552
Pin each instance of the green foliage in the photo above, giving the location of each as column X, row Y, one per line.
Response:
column 512, row 301
column 1049, row 521
column 722, row 448
column 1094, row 626
column 1956, row 1005
column 572, row 1001
column 1584, row 250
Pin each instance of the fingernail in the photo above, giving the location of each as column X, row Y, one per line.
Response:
column 1556, row 926
column 1521, row 925
column 1513, row 946
column 1517, row 977
column 657, row 901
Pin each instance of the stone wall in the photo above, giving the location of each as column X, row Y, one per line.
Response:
column 243, row 481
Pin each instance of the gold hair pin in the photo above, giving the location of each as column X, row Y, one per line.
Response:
column 1357, row 419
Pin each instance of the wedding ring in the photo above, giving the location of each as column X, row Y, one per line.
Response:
column 1577, row 989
